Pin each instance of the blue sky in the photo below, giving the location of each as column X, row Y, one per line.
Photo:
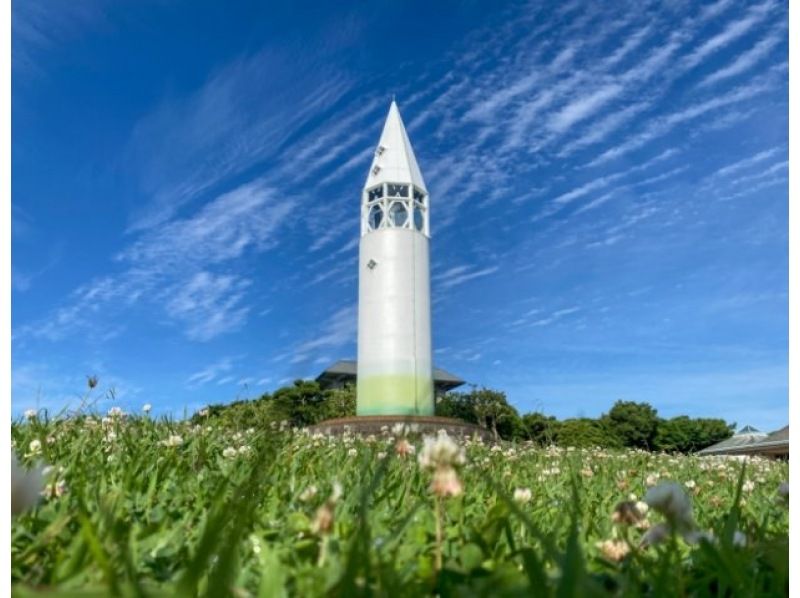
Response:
column 608, row 188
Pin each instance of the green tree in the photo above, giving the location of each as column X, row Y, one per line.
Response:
column 302, row 404
column 457, row 405
column 585, row 432
column 684, row 435
column 634, row 424
column 541, row 429
column 487, row 408
column 339, row 402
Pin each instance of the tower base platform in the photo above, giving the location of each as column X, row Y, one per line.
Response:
column 365, row 425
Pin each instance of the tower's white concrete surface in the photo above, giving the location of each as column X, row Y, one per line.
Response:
column 395, row 370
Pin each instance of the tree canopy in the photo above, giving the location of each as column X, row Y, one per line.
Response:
column 627, row 424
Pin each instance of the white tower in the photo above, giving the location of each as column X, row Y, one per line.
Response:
column 395, row 371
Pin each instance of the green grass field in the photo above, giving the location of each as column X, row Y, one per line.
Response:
column 139, row 507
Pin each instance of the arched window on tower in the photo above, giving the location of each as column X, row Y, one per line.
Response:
column 398, row 215
column 375, row 217
column 419, row 218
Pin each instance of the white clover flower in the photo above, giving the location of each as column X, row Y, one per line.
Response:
column 35, row 446
column 115, row 412
column 309, row 493
column 381, row 456
column 642, row 507
column 323, row 520
column 230, row 453
column 691, row 484
column 749, row 486
column 336, row 491
column 51, row 440
column 440, row 451
column 404, row 447
column 352, row 452
column 56, row 489
column 523, row 495
column 147, row 408
column 652, row 479
column 30, row 413
column 25, row 486
column 173, row 440
column 613, row 550
column 739, row 539
column 399, row 429
column 446, row 483
column 256, row 544
column 244, row 449
column 203, row 412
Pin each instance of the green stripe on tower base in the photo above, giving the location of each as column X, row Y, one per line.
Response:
column 394, row 394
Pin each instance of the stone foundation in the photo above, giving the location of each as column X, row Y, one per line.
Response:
column 418, row 424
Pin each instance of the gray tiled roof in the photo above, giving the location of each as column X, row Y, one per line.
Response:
column 749, row 440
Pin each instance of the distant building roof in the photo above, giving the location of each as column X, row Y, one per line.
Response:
column 344, row 371
column 749, row 430
column 749, row 441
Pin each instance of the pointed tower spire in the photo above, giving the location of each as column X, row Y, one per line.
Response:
column 394, row 160
column 395, row 367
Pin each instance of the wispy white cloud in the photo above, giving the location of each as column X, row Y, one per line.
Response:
column 631, row 43
column 605, row 127
column 172, row 267
column 750, row 190
column 209, row 305
column 337, row 331
column 663, row 124
column 732, row 32
column 604, row 181
column 243, row 114
column 555, row 316
column 212, row 371
column 583, row 107
column 38, row 27
column 745, row 163
column 461, row 274
column 747, row 60
column 713, row 10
